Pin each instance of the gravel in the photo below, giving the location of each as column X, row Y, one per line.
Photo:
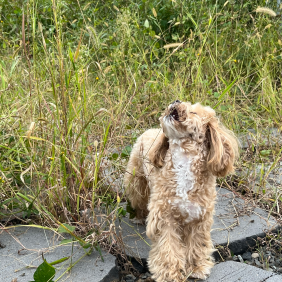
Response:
column 255, row 255
column 270, row 260
column 247, row 256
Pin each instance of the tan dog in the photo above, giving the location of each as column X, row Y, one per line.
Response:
column 170, row 182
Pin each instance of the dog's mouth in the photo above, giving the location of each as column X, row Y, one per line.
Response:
column 174, row 114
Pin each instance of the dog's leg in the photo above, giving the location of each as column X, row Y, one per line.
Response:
column 136, row 185
column 167, row 255
column 199, row 247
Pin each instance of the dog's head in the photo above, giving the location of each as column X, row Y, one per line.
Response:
column 184, row 121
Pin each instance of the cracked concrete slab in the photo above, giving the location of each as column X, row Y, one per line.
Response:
column 235, row 223
column 23, row 249
column 231, row 271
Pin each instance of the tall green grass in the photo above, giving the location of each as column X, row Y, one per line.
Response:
column 78, row 79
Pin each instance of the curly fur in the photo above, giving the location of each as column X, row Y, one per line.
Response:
column 170, row 181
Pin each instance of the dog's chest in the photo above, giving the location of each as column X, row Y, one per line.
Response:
column 185, row 180
column 182, row 164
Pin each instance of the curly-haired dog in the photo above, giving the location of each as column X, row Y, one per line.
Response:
column 170, row 181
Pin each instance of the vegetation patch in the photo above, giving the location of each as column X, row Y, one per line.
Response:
column 81, row 80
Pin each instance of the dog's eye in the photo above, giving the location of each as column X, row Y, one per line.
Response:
column 193, row 113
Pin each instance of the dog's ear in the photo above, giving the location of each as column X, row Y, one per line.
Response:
column 160, row 151
column 223, row 148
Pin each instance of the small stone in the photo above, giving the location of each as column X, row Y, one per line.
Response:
column 258, row 263
column 240, row 258
column 255, row 255
column 279, row 269
column 247, row 256
column 2, row 246
column 271, row 260
column 279, row 262
column 235, row 258
column 274, row 267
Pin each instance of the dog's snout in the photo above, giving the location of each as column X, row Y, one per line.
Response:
column 176, row 101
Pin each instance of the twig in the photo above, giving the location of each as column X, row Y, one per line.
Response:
column 236, row 213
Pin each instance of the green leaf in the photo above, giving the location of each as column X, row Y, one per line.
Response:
column 44, row 272
column 265, row 153
column 174, row 36
column 85, row 246
column 121, row 211
column 59, row 261
column 146, row 24
column 97, row 248
column 220, row 98
column 61, row 229
column 126, row 151
column 114, row 156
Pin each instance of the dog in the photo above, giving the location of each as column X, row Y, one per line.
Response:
column 170, row 181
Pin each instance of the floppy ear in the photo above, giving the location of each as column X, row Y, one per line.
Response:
column 160, row 151
column 223, row 148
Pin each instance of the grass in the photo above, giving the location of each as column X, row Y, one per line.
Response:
column 78, row 87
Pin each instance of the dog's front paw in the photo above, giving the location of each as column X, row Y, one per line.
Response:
column 198, row 275
column 201, row 272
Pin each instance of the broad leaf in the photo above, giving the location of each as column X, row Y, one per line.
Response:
column 44, row 272
column 61, row 229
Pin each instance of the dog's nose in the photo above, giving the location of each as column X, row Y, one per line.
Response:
column 176, row 101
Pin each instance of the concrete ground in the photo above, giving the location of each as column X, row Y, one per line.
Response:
column 23, row 251
column 231, row 271
column 236, row 224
